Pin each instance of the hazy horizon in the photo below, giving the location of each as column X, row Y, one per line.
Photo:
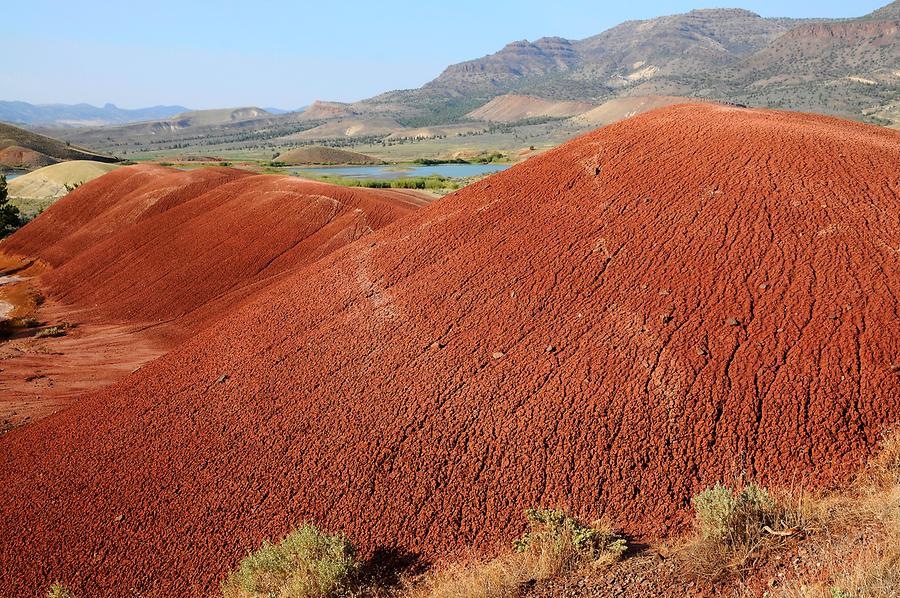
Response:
column 285, row 55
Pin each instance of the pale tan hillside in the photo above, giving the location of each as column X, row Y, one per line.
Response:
column 222, row 116
column 321, row 110
column 512, row 108
column 625, row 107
column 38, row 190
column 351, row 127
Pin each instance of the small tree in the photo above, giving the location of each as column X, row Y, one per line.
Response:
column 10, row 219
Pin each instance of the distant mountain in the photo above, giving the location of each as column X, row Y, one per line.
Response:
column 625, row 55
column 844, row 67
column 166, row 133
column 80, row 115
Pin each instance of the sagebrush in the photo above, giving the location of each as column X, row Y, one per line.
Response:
column 305, row 564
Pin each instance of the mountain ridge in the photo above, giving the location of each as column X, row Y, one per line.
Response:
column 703, row 53
column 25, row 113
column 828, row 66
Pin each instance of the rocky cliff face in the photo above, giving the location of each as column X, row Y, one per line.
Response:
column 517, row 60
column 672, row 45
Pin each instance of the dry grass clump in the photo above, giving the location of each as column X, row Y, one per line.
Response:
column 736, row 528
column 305, row 564
column 860, row 533
column 55, row 331
column 58, row 590
column 555, row 544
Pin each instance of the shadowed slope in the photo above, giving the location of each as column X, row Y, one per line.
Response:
column 697, row 293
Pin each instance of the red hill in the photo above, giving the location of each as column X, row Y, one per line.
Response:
column 22, row 157
column 153, row 244
column 696, row 293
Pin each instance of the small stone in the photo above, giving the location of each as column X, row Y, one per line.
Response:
column 733, row 322
column 666, row 318
column 701, row 351
column 118, row 518
column 551, row 349
column 497, row 355
column 437, row 345
column 763, row 286
column 221, row 378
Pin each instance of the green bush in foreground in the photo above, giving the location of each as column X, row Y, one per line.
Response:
column 305, row 564
column 556, row 532
column 733, row 517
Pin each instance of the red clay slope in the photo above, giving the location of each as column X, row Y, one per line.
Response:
column 154, row 244
column 672, row 300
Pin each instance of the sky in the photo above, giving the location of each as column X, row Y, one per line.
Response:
column 284, row 54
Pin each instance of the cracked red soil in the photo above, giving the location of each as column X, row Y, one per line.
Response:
column 695, row 294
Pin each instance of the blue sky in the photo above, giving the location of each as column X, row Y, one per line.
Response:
column 286, row 54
